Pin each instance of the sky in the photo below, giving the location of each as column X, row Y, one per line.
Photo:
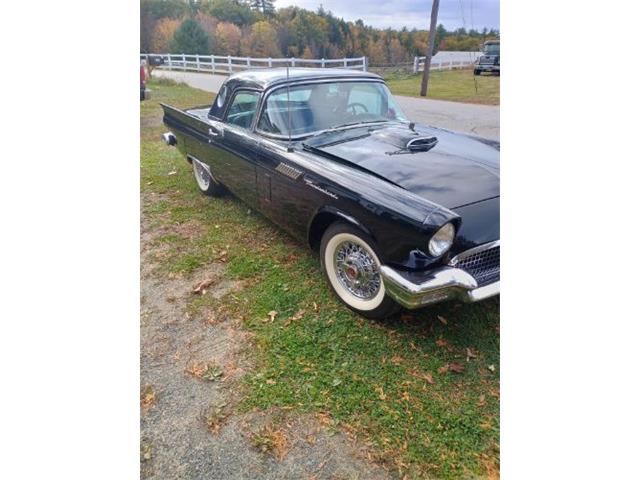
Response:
column 453, row 14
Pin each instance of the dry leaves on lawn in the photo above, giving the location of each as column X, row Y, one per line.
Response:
column 381, row 394
column 299, row 314
column 201, row 288
column 427, row 377
column 271, row 316
column 451, row 367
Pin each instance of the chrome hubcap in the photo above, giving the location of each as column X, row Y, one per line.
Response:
column 357, row 270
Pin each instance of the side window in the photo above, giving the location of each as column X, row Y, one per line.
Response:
column 243, row 108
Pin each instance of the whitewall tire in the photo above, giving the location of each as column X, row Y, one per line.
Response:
column 206, row 182
column 352, row 268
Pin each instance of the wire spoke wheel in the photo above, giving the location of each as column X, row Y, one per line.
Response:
column 202, row 176
column 357, row 270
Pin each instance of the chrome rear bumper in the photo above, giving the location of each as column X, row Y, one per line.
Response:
column 444, row 283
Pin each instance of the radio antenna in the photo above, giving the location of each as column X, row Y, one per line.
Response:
column 289, row 147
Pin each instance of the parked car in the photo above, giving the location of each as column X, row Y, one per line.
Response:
column 401, row 214
column 490, row 59
column 143, row 83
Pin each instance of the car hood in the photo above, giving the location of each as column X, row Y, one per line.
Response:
column 451, row 169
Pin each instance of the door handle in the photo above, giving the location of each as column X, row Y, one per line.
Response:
column 213, row 133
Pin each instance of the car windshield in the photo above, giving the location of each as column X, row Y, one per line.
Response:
column 493, row 49
column 322, row 106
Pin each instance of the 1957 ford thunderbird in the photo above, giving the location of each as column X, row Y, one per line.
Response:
column 402, row 214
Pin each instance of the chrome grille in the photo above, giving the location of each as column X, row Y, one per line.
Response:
column 483, row 265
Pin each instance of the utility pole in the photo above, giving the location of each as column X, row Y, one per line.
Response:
column 432, row 39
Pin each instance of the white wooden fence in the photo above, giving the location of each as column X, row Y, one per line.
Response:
column 447, row 61
column 229, row 64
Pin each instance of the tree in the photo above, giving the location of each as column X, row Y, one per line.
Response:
column 262, row 41
column 162, row 35
column 207, row 22
column 154, row 11
column 227, row 39
column 229, row 11
column 190, row 38
column 441, row 32
column 263, row 6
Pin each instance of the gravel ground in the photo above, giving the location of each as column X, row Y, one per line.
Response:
column 175, row 439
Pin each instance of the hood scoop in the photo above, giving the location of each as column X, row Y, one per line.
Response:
column 406, row 140
column 422, row 144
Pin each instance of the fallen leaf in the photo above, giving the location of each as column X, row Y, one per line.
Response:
column 444, row 369
column 196, row 369
column 470, row 354
column 272, row 315
column 172, row 172
column 405, row 396
column 271, row 381
column 441, row 342
column 481, row 401
column 427, row 377
column 315, row 307
column 396, row 359
column 222, row 256
column 442, row 320
column 201, row 288
column 299, row 314
column 456, row 367
column 336, row 382
column 492, row 368
column 381, row 394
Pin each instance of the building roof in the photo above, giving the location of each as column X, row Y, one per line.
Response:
column 267, row 77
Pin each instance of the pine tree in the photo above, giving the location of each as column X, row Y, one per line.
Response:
column 191, row 38
column 265, row 6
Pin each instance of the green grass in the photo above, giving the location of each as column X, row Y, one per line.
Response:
column 369, row 378
column 453, row 85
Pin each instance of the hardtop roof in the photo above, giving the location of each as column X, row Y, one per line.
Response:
column 264, row 78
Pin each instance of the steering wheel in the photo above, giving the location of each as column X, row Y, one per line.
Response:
column 353, row 106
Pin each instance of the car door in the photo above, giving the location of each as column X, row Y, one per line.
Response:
column 236, row 146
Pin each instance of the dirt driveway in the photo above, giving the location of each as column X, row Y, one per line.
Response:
column 190, row 372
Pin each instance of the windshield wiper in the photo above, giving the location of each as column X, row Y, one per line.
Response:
column 350, row 124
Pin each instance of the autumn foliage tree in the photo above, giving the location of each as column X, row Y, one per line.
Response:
column 162, row 35
column 227, row 39
column 262, row 41
column 255, row 28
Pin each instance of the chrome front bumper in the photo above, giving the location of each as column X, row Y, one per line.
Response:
column 446, row 283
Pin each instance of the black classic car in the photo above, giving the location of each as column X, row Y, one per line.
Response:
column 401, row 214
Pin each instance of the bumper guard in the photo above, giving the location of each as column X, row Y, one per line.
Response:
column 445, row 283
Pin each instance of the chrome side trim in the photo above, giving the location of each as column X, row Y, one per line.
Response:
column 467, row 253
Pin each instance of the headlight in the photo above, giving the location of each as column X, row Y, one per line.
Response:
column 442, row 240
